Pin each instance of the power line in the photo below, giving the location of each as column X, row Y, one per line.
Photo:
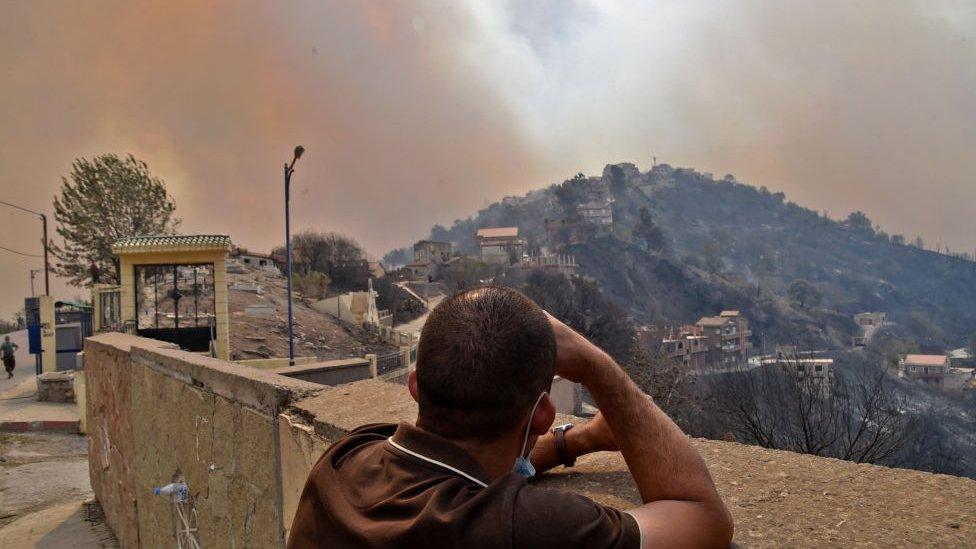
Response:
column 19, row 253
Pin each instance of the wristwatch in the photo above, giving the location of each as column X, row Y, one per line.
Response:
column 562, row 452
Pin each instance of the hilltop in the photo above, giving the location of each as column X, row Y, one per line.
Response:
column 702, row 245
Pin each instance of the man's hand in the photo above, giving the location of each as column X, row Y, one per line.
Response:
column 597, row 435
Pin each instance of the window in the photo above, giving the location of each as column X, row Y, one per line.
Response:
column 818, row 368
column 247, row 260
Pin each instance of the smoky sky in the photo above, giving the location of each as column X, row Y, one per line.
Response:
column 416, row 113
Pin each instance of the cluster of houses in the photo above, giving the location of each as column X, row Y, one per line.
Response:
column 496, row 246
column 721, row 341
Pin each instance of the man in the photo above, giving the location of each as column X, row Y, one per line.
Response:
column 458, row 477
column 7, row 350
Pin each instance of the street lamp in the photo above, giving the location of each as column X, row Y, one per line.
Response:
column 290, row 169
column 47, row 279
column 33, row 272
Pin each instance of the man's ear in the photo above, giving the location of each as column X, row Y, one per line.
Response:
column 544, row 415
column 412, row 385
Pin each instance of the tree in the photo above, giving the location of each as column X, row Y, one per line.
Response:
column 804, row 293
column 313, row 285
column 336, row 256
column 855, row 415
column 860, row 224
column 648, row 232
column 103, row 200
column 582, row 305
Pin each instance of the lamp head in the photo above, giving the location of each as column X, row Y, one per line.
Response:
column 299, row 150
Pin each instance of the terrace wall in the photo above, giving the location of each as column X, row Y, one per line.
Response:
column 245, row 441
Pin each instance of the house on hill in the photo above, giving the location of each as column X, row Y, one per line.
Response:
column 264, row 262
column 499, row 245
column 728, row 338
column 930, row 369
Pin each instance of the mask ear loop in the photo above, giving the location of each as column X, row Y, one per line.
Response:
column 525, row 438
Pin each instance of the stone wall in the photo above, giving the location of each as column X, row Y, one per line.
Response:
column 245, row 441
column 155, row 413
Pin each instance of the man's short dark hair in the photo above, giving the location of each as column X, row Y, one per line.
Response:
column 484, row 357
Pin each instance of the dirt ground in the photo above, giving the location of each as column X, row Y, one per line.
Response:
column 44, row 488
column 316, row 334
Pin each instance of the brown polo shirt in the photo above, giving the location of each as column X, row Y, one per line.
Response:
column 386, row 485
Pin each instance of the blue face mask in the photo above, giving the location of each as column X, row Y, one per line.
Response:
column 522, row 464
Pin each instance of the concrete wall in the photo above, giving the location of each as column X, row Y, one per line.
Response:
column 331, row 372
column 245, row 441
column 155, row 412
column 273, row 363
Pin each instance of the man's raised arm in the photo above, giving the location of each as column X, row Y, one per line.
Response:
column 681, row 506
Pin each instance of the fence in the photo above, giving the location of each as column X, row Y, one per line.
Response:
column 397, row 365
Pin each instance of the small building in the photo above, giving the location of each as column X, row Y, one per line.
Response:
column 428, row 256
column 500, row 245
column 816, row 373
column 686, row 345
column 962, row 358
column 264, row 262
column 868, row 323
column 565, row 264
column 686, row 348
column 728, row 338
column 174, row 288
column 599, row 214
column 432, row 251
column 930, row 369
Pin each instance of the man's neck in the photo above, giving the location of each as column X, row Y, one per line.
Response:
column 497, row 457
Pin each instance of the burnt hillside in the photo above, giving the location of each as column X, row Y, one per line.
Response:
column 724, row 244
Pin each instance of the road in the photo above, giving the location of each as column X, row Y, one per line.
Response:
column 417, row 324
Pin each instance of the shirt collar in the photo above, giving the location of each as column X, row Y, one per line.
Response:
column 415, row 443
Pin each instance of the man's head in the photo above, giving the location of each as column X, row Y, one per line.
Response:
column 485, row 356
column 6, row 339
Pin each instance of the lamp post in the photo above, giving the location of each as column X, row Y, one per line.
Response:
column 290, row 169
column 47, row 279
column 33, row 272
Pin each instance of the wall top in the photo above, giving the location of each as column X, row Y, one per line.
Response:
column 172, row 243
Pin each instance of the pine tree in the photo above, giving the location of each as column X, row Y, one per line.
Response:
column 103, row 200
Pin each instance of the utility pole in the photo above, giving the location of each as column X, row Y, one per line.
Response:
column 47, row 279
column 290, row 169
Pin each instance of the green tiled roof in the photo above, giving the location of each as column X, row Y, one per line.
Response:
column 194, row 241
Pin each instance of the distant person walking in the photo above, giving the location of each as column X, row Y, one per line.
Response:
column 7, row 350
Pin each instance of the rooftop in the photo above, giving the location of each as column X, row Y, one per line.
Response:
column 168, row 243
column 713, row 321
column 925, row 360
column 729, row 313
column 498, row 232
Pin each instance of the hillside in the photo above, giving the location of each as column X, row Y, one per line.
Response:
column 265, row 334
column 722, row 244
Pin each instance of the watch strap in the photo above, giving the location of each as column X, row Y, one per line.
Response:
column 562, row 452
